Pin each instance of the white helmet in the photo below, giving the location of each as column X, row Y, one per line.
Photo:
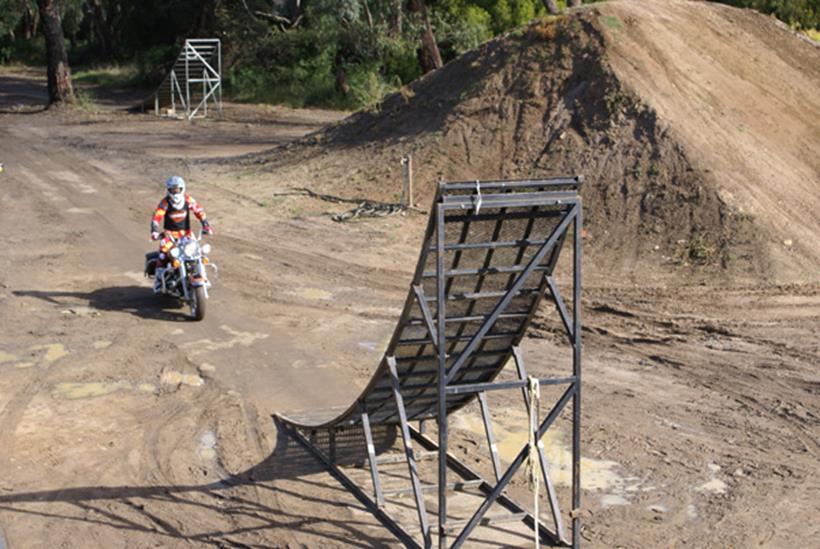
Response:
column 175, row 186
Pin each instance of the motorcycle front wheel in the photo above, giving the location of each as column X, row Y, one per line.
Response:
column 198, row 303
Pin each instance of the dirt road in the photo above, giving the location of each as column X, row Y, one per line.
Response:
column 124, row 425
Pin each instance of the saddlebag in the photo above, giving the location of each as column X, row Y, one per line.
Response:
column 151, row 259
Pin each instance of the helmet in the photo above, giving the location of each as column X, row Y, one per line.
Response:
column 176, row 191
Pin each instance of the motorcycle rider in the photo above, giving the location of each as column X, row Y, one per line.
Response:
column 173, row 217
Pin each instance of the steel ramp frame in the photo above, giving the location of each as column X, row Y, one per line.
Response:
column 199, row 62
column 507, row 279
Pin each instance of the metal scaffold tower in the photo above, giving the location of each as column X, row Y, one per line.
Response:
column 488, row 261
column 195, row 79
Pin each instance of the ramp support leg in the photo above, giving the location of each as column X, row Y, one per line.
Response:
column 441, row 336
column 542, row 458
column 488, row 428
column 408, row 452
column 576, row 371
column 371, row 458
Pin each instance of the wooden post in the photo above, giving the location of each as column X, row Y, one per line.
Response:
column 407, row 191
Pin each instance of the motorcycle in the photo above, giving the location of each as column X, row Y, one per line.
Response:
column 184, row 274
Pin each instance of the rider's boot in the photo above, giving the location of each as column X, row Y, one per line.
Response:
column 160, row 274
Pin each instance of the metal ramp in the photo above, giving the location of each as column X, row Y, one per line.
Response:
column 195, row 79
column 487, row 262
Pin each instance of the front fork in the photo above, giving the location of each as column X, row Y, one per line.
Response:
column 202, row 279
column 183, row 279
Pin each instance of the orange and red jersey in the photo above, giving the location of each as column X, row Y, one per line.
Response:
column 176, row 223
column 176, row 220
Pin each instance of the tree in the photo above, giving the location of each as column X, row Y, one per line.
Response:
column 60, row 90
column 552, row 7
column 429, row 55
column 574, row 3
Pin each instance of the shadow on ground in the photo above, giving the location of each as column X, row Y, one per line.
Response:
column 223, row 510
column 136, row 300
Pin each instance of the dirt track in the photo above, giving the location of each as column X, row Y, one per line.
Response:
column 121, row 424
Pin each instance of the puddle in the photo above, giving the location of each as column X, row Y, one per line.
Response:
column 610, row 500
column 715, row 486
column 691, row 511
column 596, row 474
column 178, row 378
column 245, row 339
column 369, row 345
column 74, row 391
column 313, row 294
column 207, row 446
column 102, row 344
column 54, row 351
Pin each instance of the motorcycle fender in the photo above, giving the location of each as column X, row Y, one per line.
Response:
column 197, row 281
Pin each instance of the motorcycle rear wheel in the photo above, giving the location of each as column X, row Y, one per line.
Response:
column 198, row 303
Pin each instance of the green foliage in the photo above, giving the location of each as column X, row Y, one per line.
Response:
column 337, row 53
column 612, row 22
column 803, row 14
column 461, row 26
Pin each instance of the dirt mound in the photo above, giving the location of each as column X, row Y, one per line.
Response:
column 696, row 125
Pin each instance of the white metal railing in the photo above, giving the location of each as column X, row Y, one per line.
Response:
column 199, row 62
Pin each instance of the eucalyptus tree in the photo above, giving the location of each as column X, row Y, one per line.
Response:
column 60, row 90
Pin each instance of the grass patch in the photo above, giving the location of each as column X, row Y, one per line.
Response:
column 814, row 34
column 611, row 22
column 114, row 76
column 696, row 251
column 84, row 100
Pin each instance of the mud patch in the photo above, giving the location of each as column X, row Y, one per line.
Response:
column 596, row 474
column 245, row 339
column 74, row 391
column 54, row 352
column 714, row 486
column 312, row 294
column 178, row 378
column 207, row 446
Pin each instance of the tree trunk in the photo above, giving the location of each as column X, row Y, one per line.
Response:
column 339, row 73
column 574, row 3
column 101, row 28
column 31, row 19
column 60, row 91
column 429, row 56
column 369, row 16
column 552, row 7
column 395, row 21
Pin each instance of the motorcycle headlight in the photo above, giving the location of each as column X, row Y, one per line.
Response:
column 190, row 248
column 174, row 252
column 206, row 249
